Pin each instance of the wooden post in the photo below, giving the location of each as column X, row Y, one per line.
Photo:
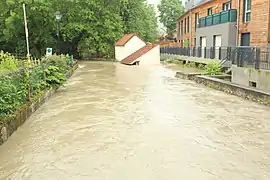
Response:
column 44, row 73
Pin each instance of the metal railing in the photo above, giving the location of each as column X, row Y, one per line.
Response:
column 200, row 52
column 252, row 57
column 218, row 18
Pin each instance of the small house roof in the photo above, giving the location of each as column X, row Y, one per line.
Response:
column 126, row 38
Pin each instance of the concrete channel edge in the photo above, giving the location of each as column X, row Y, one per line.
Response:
column 213, row 82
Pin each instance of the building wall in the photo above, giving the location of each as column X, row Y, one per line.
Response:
column 134, row 44
column 258, row 26
column 243, row 76
column 152, row 57
column 202, row 10
column 226, row 30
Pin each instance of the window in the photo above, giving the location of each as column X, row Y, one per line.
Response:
column 209, row 11
column 196, row 20
column 226, row 6
column 188, row 24
column 185, row 26
column 247, row 10
column 245, row 39
column 182, row 27
column 179, row 29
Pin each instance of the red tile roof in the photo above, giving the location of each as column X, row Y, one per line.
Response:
column 131, row 59
column 125, row 39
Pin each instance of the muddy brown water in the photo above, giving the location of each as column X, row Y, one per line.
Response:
column 132, row 123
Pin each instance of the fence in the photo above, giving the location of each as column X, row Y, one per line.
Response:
column 255, row 57
column 23, row 84
column 19, row 87
column 200, row 52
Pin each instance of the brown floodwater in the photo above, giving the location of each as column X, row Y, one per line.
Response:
column 117, row 122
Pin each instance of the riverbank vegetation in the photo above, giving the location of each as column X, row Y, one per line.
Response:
column 23, row 81
column 87, row 28
column 212, row 68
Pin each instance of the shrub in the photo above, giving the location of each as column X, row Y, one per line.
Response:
column 58, row 61
column 169, row 61
column 8, row 62
column 190, row 64
column 201, row 66
column 54, row 76
column 36, row 79
column 213, row 68
column 18, row 86
column 13, row 92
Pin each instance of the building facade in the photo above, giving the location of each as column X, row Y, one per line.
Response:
column 225, row 23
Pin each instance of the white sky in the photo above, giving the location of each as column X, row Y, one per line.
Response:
column 155, row 2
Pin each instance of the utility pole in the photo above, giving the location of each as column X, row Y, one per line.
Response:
column 26, row 30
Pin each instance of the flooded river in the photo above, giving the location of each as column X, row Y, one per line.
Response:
column 114, row 122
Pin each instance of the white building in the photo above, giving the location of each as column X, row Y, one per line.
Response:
column 131, row 50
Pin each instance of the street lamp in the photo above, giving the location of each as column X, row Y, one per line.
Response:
column 58, row 17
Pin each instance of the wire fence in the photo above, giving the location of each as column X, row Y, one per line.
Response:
column 22, row 85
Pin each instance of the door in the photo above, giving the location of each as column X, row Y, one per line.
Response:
column 245, row 39
column 217, row 45
column 203, row 45
column 245, row 53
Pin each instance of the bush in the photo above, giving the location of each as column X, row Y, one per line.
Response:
column 13, row 92
column 213, row 68
column 55, row 60
column 8, row 62
column 190, row 64
column 54, row 76
column 37, row 80
column 201, row 66
column 18, row 86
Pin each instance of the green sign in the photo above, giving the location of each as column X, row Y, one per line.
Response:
column 48, row 51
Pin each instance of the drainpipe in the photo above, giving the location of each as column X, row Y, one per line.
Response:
column 190, row 28
column 237, row 22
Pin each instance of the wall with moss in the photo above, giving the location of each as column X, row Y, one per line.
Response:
column 245, row 76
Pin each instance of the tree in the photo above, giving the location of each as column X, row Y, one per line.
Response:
column 87, row 26
column 139, row 17
column 170, row 10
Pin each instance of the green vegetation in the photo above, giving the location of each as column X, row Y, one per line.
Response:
column 213, row 68
column 170, row 10
column 21, row 81
column 190, row 64
column 88, row 27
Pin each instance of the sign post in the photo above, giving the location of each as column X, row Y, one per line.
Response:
column 26, row 30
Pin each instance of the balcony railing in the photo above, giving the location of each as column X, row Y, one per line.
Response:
column 218, row 18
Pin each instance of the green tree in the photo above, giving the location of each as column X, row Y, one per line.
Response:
column 139, row 17
column 87, row 26
column 170, row 10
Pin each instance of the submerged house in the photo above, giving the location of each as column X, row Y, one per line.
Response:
column 133, row 50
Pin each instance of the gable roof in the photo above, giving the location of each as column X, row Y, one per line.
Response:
column 126, row 38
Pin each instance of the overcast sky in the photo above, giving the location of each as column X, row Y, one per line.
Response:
column 153, row 1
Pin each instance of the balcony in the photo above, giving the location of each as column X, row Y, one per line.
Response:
column 218, row 18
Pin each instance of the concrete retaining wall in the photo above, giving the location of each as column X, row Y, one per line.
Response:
column 10, row 124
column 238, row 90
column 188, row 76
column 244, row 76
